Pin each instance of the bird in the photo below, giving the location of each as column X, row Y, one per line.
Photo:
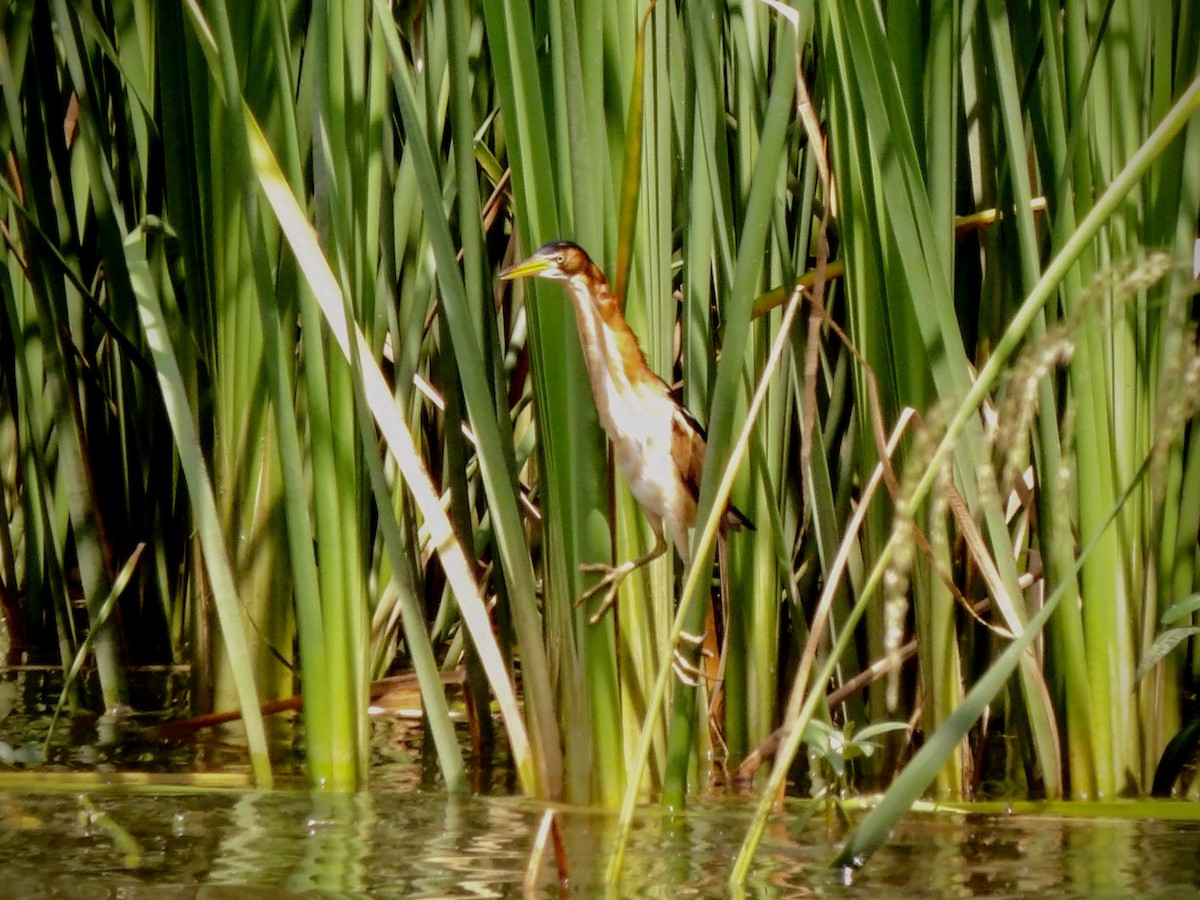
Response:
column 658, row 445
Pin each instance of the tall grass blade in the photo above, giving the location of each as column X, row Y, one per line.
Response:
column 204, row 504
column 920, row 771
column 400, row 445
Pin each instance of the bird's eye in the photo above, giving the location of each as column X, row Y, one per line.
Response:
column 560, row 259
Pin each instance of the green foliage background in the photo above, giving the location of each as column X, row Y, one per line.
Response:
column 239, row 239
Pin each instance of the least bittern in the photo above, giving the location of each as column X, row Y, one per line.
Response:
column 658, row 445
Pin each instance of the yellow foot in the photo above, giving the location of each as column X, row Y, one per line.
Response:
column 613, row 576
column 687, row 671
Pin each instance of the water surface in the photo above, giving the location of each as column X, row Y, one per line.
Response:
column 390, row 843
column 406, row 838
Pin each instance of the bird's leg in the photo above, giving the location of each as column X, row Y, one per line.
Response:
column 692, row 673
column 688, row 672
column 613, row 576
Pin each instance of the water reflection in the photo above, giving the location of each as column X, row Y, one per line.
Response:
column 984, row 856
column 423, row 844
column 406, row 839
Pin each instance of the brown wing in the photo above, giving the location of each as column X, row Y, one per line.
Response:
column 687, row 447
column 688, row 443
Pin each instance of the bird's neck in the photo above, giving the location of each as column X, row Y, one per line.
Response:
column 617, row 368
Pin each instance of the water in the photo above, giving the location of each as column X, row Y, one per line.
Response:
column 389, row 843
column 405, row 838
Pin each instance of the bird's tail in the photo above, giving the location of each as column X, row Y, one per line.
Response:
column 735, row 519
